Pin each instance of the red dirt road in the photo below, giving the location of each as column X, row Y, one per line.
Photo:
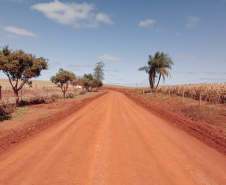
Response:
column 112, row 141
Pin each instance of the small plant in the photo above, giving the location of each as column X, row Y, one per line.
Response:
column 6, row 108
column 20, row 111
column 70, row 95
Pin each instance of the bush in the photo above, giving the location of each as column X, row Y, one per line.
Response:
column 70, row 95
column 6, row 108
column 41, row 99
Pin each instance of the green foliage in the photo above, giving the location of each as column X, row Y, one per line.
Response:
column 99, row 71
column 96, row 83
column 158, row 66
column 77, row 81
column 89, row 76
column 20, row 111
column 86, row 83
column 18, row 65
column 89, row 82
column 64, row 78
column 6, row 108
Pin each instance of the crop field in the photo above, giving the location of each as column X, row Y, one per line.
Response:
column 212, row 93
column 211, row 109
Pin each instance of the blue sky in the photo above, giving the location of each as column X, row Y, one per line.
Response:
column 75, row 35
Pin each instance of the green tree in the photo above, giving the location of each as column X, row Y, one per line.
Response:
column 77, row 81
column 86, row 83
column 89, row 82
column 20, row 66
column 96, row 83
column 99, row 84
column 158, row 66
column 64, row 78
column 89, row 76
column 99, row 71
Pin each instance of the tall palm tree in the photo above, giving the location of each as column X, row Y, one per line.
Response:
column 158, row 65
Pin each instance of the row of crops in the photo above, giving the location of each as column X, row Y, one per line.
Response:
column 213, row 93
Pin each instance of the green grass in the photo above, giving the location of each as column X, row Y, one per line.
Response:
column 20, row 111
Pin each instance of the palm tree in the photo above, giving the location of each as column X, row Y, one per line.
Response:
column 157, row 66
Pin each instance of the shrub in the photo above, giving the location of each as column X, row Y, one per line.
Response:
column 6, row 108
column 70, row 95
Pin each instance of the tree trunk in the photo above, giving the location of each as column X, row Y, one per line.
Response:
column 16, row 97
column 64, row 93
column 150, row 83
column 158, row 81
column 153, row 81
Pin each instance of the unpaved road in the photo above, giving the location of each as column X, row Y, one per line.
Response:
column 112, row 141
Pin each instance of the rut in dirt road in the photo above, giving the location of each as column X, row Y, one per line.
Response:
column 112, row 141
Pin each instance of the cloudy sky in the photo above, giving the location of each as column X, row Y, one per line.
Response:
column 75, row 35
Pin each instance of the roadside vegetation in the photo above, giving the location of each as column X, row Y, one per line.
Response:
column 63, row 78
column 21, row 67
column 211, row 110
column 158, row 66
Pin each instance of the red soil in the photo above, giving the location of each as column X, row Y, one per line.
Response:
column 38, row 118
column 212, row 135
column 113, row 140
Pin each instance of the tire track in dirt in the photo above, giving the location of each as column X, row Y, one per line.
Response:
column 112, row 141
column 208, row 134
column 12, row 137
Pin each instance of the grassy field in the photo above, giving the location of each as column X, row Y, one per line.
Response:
column 39, row 83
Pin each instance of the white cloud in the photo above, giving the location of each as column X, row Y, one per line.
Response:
column 81, row 65
column 215, row 72
column 101, row 17
column 53, row 63
column 190, row 72
column 78, row 15
column 185, row 57
column 112, row 70
column 147, row 22
column 192, row 21
column 17, row 1
column 12, row 36
column 18, row 31
column 214, row 79
column 110, row 57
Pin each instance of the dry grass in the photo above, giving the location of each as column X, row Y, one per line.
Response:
column 208, row 112
column 35, row 83
column 213, row 93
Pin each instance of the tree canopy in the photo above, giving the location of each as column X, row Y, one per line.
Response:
column 158, row 66
column 18, row 65
column 63, row 78
column 89, row 82
column 99, row 71
column 89, row 76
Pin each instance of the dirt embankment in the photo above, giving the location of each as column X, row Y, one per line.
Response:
column 39, row 117
column 212, row 135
